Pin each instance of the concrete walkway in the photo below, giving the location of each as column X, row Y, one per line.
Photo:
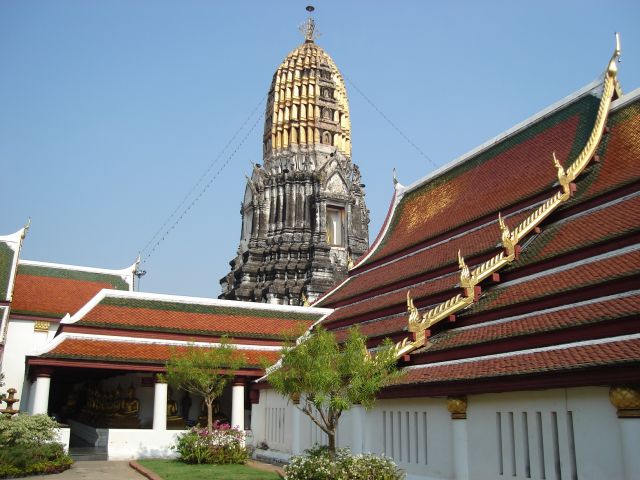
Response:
column 95, row 470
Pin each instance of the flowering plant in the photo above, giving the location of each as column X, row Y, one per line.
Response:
column 221, row 444
column 317, row 464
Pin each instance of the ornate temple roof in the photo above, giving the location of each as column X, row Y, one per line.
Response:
column 307, row 103
column 135, row 330
column 53, row 290
column 502, row 264
column 187, row 317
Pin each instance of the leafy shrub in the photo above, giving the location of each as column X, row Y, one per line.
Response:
column 316, row 464
column 27, row 430
column 221, row 445
column 26, row 447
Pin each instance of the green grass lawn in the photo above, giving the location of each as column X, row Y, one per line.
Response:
column 174, row 470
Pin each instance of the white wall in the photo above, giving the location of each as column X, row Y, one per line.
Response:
column 131, row 444
column 561, row 433
column 552, row 434
column 21, row 341
column 416, row 433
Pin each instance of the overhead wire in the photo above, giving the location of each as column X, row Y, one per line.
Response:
column 179, row 212
column 390, row 122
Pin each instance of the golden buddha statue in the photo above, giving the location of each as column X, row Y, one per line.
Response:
column 130, row 405
column 174, row 421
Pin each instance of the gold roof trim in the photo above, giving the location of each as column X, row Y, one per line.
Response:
column 469, row 279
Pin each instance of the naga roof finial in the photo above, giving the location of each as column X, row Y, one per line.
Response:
column 26, row 228
column 612, row 69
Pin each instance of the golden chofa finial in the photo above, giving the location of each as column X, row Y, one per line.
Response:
column 414, row 316
column 505, row 236
column 308, row 28
column 615, row 58
column 563, row 178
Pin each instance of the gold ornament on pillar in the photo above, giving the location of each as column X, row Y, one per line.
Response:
column 457, row 406
column 626, row 399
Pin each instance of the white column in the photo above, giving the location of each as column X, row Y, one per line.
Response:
column 630, row 432
column 457, row 406
column 160, row 406
column 32, row 394
column 41, row 397
column 295, row 428
column 626, row 399
column 237, row 405
column 460, row 459
column 357, row 429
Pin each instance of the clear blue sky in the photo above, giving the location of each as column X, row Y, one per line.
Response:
column 111, row 111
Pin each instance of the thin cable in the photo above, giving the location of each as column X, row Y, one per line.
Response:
column 202, row 177
column 388, row 120
column 166, row 232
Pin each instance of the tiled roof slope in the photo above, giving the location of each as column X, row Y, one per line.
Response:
column 515, row 169
column 590, row 356
column 565, row 300
column 194, row 316
column 9, row 253
column 119, row 351
column 53, row 290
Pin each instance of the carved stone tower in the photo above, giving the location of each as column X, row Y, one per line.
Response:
column 304, row 217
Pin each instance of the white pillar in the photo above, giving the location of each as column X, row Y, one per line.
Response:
column 32, row 394
column 295, row 428
column 630, row 432
column 626, row 399
column 460, row 459
column 160, row 406
column 457, row 406
column 41, row 397
column 237, row 405
column 357, row 429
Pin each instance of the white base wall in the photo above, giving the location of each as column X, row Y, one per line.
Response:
column 552, row 434
column 128, row 444
column 132, row 444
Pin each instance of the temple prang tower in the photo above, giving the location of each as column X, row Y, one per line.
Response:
column 304, row 218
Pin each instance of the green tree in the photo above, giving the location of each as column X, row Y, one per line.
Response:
column 204, row 371
column 325, row 378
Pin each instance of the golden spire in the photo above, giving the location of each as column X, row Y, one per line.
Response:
column 308, row 28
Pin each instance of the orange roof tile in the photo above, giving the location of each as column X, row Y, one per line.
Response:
column 240, row 324
column 543, row 361
column 51, row 296
column 120, row 351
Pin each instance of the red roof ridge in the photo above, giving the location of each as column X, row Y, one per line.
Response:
column 559, row 308
column 563, row 346
column 48, row 347
column 161, row 297
column 571, row 265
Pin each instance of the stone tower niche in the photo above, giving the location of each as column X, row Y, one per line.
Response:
column 304, row 217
